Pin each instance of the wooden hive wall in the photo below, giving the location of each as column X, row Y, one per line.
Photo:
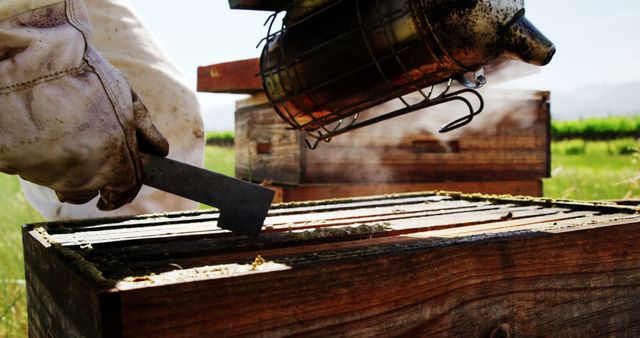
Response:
column 508, row 141
column 416, row 264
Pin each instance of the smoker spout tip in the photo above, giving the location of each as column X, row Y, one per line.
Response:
column 523, row 41
column 550, row 55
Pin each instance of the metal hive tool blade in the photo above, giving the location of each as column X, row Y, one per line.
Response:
column 243, row 206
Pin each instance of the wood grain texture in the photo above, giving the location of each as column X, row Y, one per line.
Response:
column 508, row 141
column 63, row 302
column 286, row 193
column 585, row 284
column 261, row 128
column 421, row 264
column 237, row 77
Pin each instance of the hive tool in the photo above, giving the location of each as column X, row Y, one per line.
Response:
column 243, row 206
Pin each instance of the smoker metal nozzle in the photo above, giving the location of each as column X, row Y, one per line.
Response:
column 523, row 41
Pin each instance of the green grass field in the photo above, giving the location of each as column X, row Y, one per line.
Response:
column 592, row 171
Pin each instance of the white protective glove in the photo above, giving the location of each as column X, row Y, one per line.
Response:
column 68, row 119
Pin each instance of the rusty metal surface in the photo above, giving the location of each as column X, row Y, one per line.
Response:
column 333, row 59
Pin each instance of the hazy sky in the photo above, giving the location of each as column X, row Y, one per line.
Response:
column 597, row 41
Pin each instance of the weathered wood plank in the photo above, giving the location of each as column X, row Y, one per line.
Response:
column 304, row 219
column 265, row 149
column 584, row 283
column 510, row 141
column 320, row 191
column 378, row 173
column 445, row 207
column 471, row 143
column 328, row 245
column 142, row 256
column 427, row 265
column 358, row 202
column 59, row 310
column 389, row 157
column 79, row 227
column 237, row 77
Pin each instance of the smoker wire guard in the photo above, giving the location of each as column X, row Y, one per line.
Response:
column 328, row 129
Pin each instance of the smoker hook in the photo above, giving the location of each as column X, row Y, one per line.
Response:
column 455, row 124
column 316, row 141
column 442, row 94
column 313, row 145
column 441, row 99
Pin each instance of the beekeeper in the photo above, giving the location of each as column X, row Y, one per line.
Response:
column 73, row 78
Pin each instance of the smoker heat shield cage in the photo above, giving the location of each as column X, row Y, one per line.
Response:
column 331, row 60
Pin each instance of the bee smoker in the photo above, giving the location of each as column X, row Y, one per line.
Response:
column 335, row 58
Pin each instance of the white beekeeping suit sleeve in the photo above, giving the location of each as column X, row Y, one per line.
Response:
column 69, row 120
column 119, row 36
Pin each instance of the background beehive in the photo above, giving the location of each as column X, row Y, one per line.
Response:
column 509, row 141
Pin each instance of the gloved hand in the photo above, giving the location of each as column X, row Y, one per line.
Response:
column 68, row 119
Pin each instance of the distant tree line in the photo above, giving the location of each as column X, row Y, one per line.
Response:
column 597, row 128
column 220, row 138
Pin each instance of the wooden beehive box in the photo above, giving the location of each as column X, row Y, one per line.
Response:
column 504, row 150
column 419, row 264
